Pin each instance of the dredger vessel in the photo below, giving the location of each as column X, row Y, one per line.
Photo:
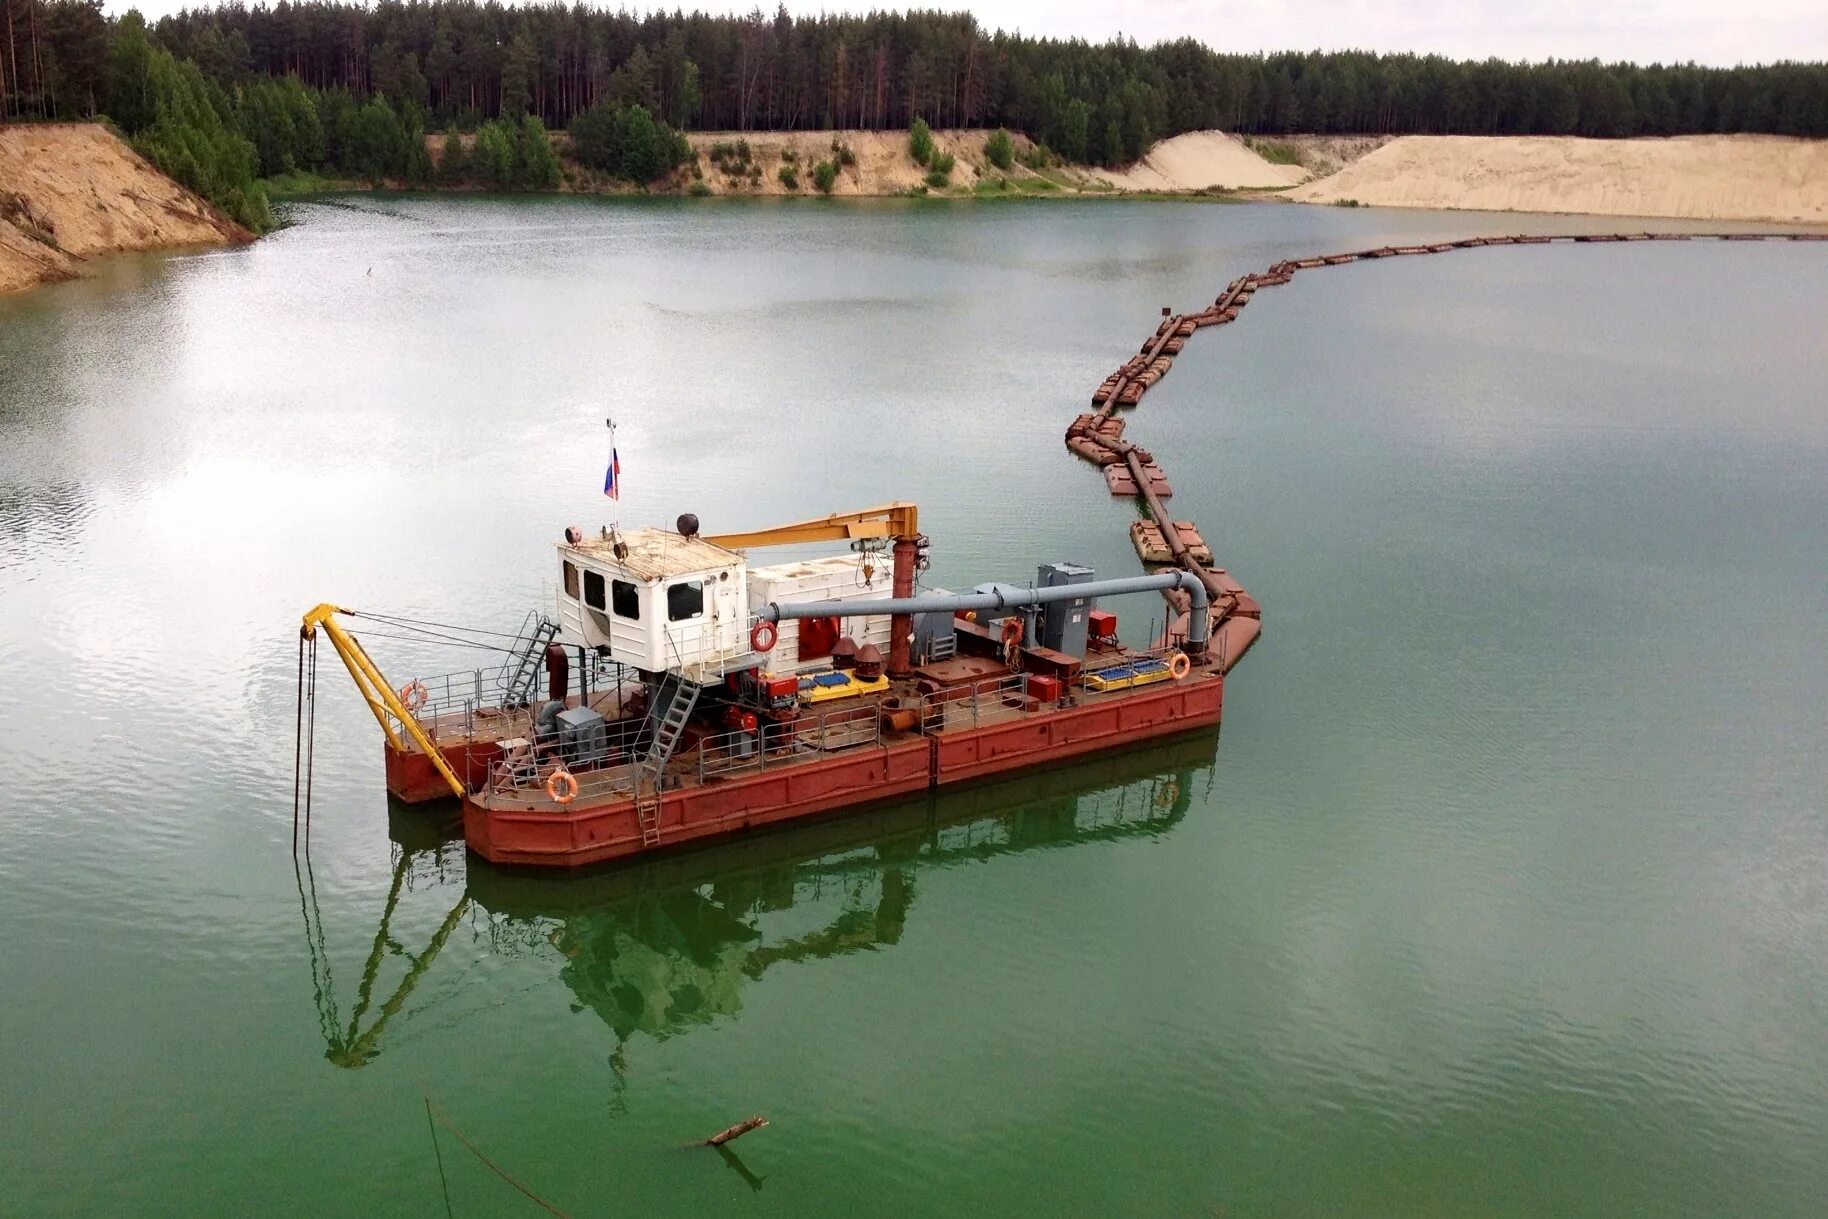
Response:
column 677, row 693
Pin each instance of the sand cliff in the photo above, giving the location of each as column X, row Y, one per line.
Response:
column 70, row 191
column 1697, row 177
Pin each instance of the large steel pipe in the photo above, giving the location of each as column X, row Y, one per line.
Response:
column 1198, row 625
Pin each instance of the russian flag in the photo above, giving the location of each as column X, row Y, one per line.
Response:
column 612, row 478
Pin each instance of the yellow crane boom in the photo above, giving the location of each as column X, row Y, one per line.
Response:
column 374, row 689
column 896, row 520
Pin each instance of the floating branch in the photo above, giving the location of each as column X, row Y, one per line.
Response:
column 735, row 1132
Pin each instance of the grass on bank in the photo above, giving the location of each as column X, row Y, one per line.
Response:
column 1274, row 151
column 306, row 182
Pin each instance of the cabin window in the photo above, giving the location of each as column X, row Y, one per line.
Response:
column 625, row 599
column 571, row 579
column 685, row 600
column 593, row 590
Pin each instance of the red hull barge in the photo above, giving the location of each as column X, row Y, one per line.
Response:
column 509, row 828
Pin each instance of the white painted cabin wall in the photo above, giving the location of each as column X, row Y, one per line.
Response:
column 829, row 579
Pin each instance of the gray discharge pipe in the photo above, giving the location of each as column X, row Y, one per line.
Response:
column 1198, row 621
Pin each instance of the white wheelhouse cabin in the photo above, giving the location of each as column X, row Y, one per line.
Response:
column 657, row 600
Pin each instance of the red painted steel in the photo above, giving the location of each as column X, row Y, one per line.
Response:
column 412, row 779
column 901, row 626
column 582, row 835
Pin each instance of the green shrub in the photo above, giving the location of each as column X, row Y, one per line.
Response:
column 628, row 142
column 492, row 156
column 538, row 166
column 842, row 154
column 699, row 189
column 1036, row 157
column 1000, row 149
column 453, row 158
column 789, row 176
column 920, row 141
column 824, row 176
column 935, row 179
column 942, row 163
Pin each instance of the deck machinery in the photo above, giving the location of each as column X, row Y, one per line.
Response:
column 678, row 693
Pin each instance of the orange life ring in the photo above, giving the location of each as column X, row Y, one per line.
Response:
column 762, row 636
column 561, row 786
column 1012, row 632
column 1180, row 666
column 414, row 695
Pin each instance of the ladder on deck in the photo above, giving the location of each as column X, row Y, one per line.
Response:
column 673, row 700
column 522, row 671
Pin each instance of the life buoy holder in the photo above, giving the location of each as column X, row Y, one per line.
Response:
column 562, row 786
column 762, row 636
column 414, row 695
column 1180, row 666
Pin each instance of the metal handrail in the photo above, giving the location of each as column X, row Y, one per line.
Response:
column 526, row 775
column 742, row 750
column 986, row 702
column 454, row 701
column 532, row 769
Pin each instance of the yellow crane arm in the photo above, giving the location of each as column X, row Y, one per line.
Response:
column 896, row 520
column 375, row 690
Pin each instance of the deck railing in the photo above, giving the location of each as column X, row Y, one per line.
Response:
column 455, row 701
column 742, row 751
column 985, row 702
column 746, row 751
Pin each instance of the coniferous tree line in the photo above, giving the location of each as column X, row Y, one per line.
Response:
column 464, row 62
column 199, row 89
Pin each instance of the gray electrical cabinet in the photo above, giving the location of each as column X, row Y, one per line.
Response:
column 583, row 737
column 935, row 635
column 1063, row 623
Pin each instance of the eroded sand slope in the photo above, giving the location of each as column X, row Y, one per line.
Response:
column 881, row 164
column 1703, row 177
column 1198, row 160
column 70, row 191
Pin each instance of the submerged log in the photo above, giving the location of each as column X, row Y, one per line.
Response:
column 737, row 1131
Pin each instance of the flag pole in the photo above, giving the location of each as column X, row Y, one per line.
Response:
column 612, row 476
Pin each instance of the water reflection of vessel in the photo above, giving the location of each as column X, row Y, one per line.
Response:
column 671, row 944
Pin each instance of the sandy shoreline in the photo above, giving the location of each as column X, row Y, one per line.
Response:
column 72, row 191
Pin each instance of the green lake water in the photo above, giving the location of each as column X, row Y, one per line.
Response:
column 1504, row 892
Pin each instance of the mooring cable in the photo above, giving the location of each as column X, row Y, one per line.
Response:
column 431, row 1111
column 298, row 743
column 439, row 1155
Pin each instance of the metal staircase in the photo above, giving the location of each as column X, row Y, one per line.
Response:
column 670, row 708
column 528, row 654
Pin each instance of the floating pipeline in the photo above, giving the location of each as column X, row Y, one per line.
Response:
column 1131, row 471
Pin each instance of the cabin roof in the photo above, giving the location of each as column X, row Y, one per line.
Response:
column 656, row 554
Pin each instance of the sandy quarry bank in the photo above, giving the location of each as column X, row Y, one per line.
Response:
column 1698, row 177
column 71, row 191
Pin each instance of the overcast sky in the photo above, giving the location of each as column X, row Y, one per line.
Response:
column 1708, row 31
